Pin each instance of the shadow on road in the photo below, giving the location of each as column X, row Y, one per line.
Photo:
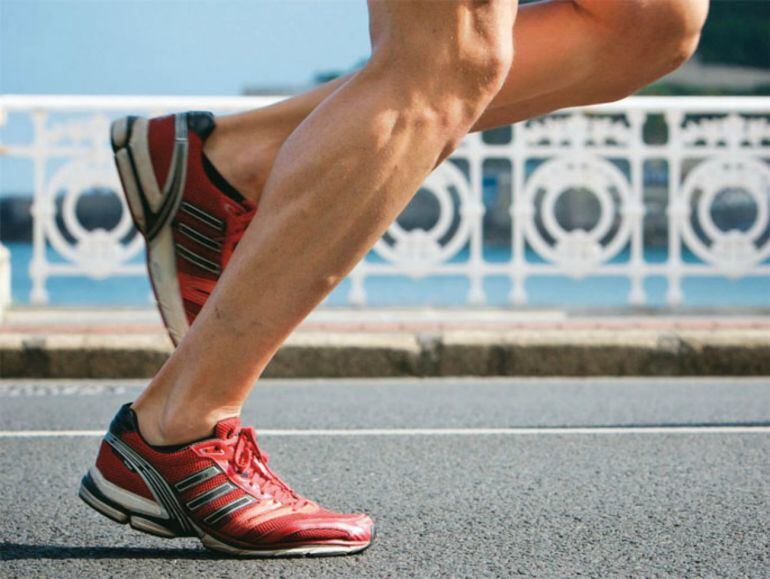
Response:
column 20, row 551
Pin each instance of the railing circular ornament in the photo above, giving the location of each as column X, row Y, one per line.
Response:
column 578, row 251
column 99, row 252
column 415, row 251
column 732, row 251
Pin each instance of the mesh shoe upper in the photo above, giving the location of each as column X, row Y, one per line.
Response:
column 224, row 486
column 208, row 223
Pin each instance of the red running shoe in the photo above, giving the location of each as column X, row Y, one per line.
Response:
column 220, row 490
column 190, row 225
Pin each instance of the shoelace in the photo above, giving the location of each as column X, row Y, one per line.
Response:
column 198, row 289
column 251, row 463
column 236, row 226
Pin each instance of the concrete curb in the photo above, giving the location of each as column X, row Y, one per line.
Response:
column 524, row 352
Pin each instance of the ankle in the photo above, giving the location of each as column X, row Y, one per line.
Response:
column 243, row 153
column 160, row 425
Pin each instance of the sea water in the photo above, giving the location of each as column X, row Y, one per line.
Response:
column 556, row 291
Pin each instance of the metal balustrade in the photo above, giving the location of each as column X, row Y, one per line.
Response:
column 689, row 151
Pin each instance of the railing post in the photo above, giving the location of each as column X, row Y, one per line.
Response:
column 475, row 214
column 5, row 254
column 520, row 211
column 5, row 279
column 357, row 292
column 41, row 212
column 637, row 295
column 676, row 211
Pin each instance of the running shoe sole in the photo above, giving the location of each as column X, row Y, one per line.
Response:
column 153, row 209
column 141, row 514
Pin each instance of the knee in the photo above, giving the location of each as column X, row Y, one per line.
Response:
column 480, row 65
column 474, row 73
column 443, row 101
column 665, row 33
column 675, row 25
column 650, row 37
column 467, row 60
column 481, row 77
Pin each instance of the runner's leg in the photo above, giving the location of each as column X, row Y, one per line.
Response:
column 337, row 183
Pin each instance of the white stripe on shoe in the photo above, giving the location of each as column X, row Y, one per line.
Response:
column 131, row 501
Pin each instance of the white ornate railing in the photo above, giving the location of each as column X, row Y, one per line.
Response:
column 708, row 148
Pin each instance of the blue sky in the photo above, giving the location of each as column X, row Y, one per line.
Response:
column 184, row 47
column 167, row 47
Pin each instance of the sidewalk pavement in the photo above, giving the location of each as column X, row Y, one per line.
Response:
column 131, row 343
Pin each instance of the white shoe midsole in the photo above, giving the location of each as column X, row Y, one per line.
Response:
column 161, row 263
column 161, row 252
column 131, row 501
column 212, row 543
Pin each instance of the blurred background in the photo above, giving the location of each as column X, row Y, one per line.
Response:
column 660, row 201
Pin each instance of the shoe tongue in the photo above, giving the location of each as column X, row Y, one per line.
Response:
column 227, row 427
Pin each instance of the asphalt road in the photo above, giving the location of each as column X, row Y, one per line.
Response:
column 688, row 496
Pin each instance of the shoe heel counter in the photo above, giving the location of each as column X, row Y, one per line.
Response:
column 124, row 421
column 115, row 470
column 153, row 147
column 201, row 123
